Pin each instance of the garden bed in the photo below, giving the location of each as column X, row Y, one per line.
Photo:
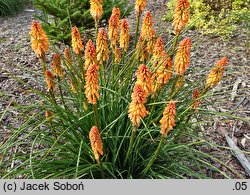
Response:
column 17, row 58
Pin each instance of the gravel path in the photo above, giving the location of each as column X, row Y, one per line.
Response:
column 17, row 58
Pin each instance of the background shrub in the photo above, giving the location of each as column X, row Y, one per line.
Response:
column 60, row 16
column 214, row 16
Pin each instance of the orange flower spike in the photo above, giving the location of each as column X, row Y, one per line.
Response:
column 181, row 15
column 39, row 40
column 216, row 73
column 164, row 72
column 158, row 48
column 114, row 26
column 57, row 65
column 182, row 58
column 168, row 119
column 147, row 31
column 137, row 109
column 67, row 57
column 196, row 96
column 50, row 80
column 48, row 115
column 76, row 41
column 124, row 36
column 96, row 143
column 92, row 84
column 143, row 75
column 96, row 9
column 90, row 55
column 116, row 11
column 138, row 94
column 102, row 46
column 140, row 5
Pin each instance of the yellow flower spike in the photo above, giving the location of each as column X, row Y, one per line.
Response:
column 92, row 84
column 124, row 36
column 50, row 80
column 164, row 72
column 85, row 106
column 39, row 40
column 73, row 86
column 96, row 9
column 96, row 143
column 140, row 5
column 118, row 55
column 76, row 41
column 102, row 46
column 180, row 82
column 137, row 109
column 90, row 55
column 182, row 58
column 216, row 73
column 158, row 48
column 147, row 32
column 168, row 119
column 196, row 96
column 181, row 15
column 67, row 57
column 143, row 75
column 114, row 27
column 57, row 65
column 151, row 43
column 142, row 51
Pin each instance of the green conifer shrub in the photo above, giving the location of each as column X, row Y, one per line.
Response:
column 59, row 16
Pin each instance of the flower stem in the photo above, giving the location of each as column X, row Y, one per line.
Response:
column 43, row 65
column 123, row 56
column 172, row 93
column 60, row 90
column 174, row 45
column 204, row 91
column 137, row 27
column 151, row 109
column 52, row 95
column 103, row 73
column 80, row 64
column 155, row 156
column 96, row 29
column 132, row 138
column 101, row 169
column 96, row 116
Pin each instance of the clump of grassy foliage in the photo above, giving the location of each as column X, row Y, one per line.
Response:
column 57, row 145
